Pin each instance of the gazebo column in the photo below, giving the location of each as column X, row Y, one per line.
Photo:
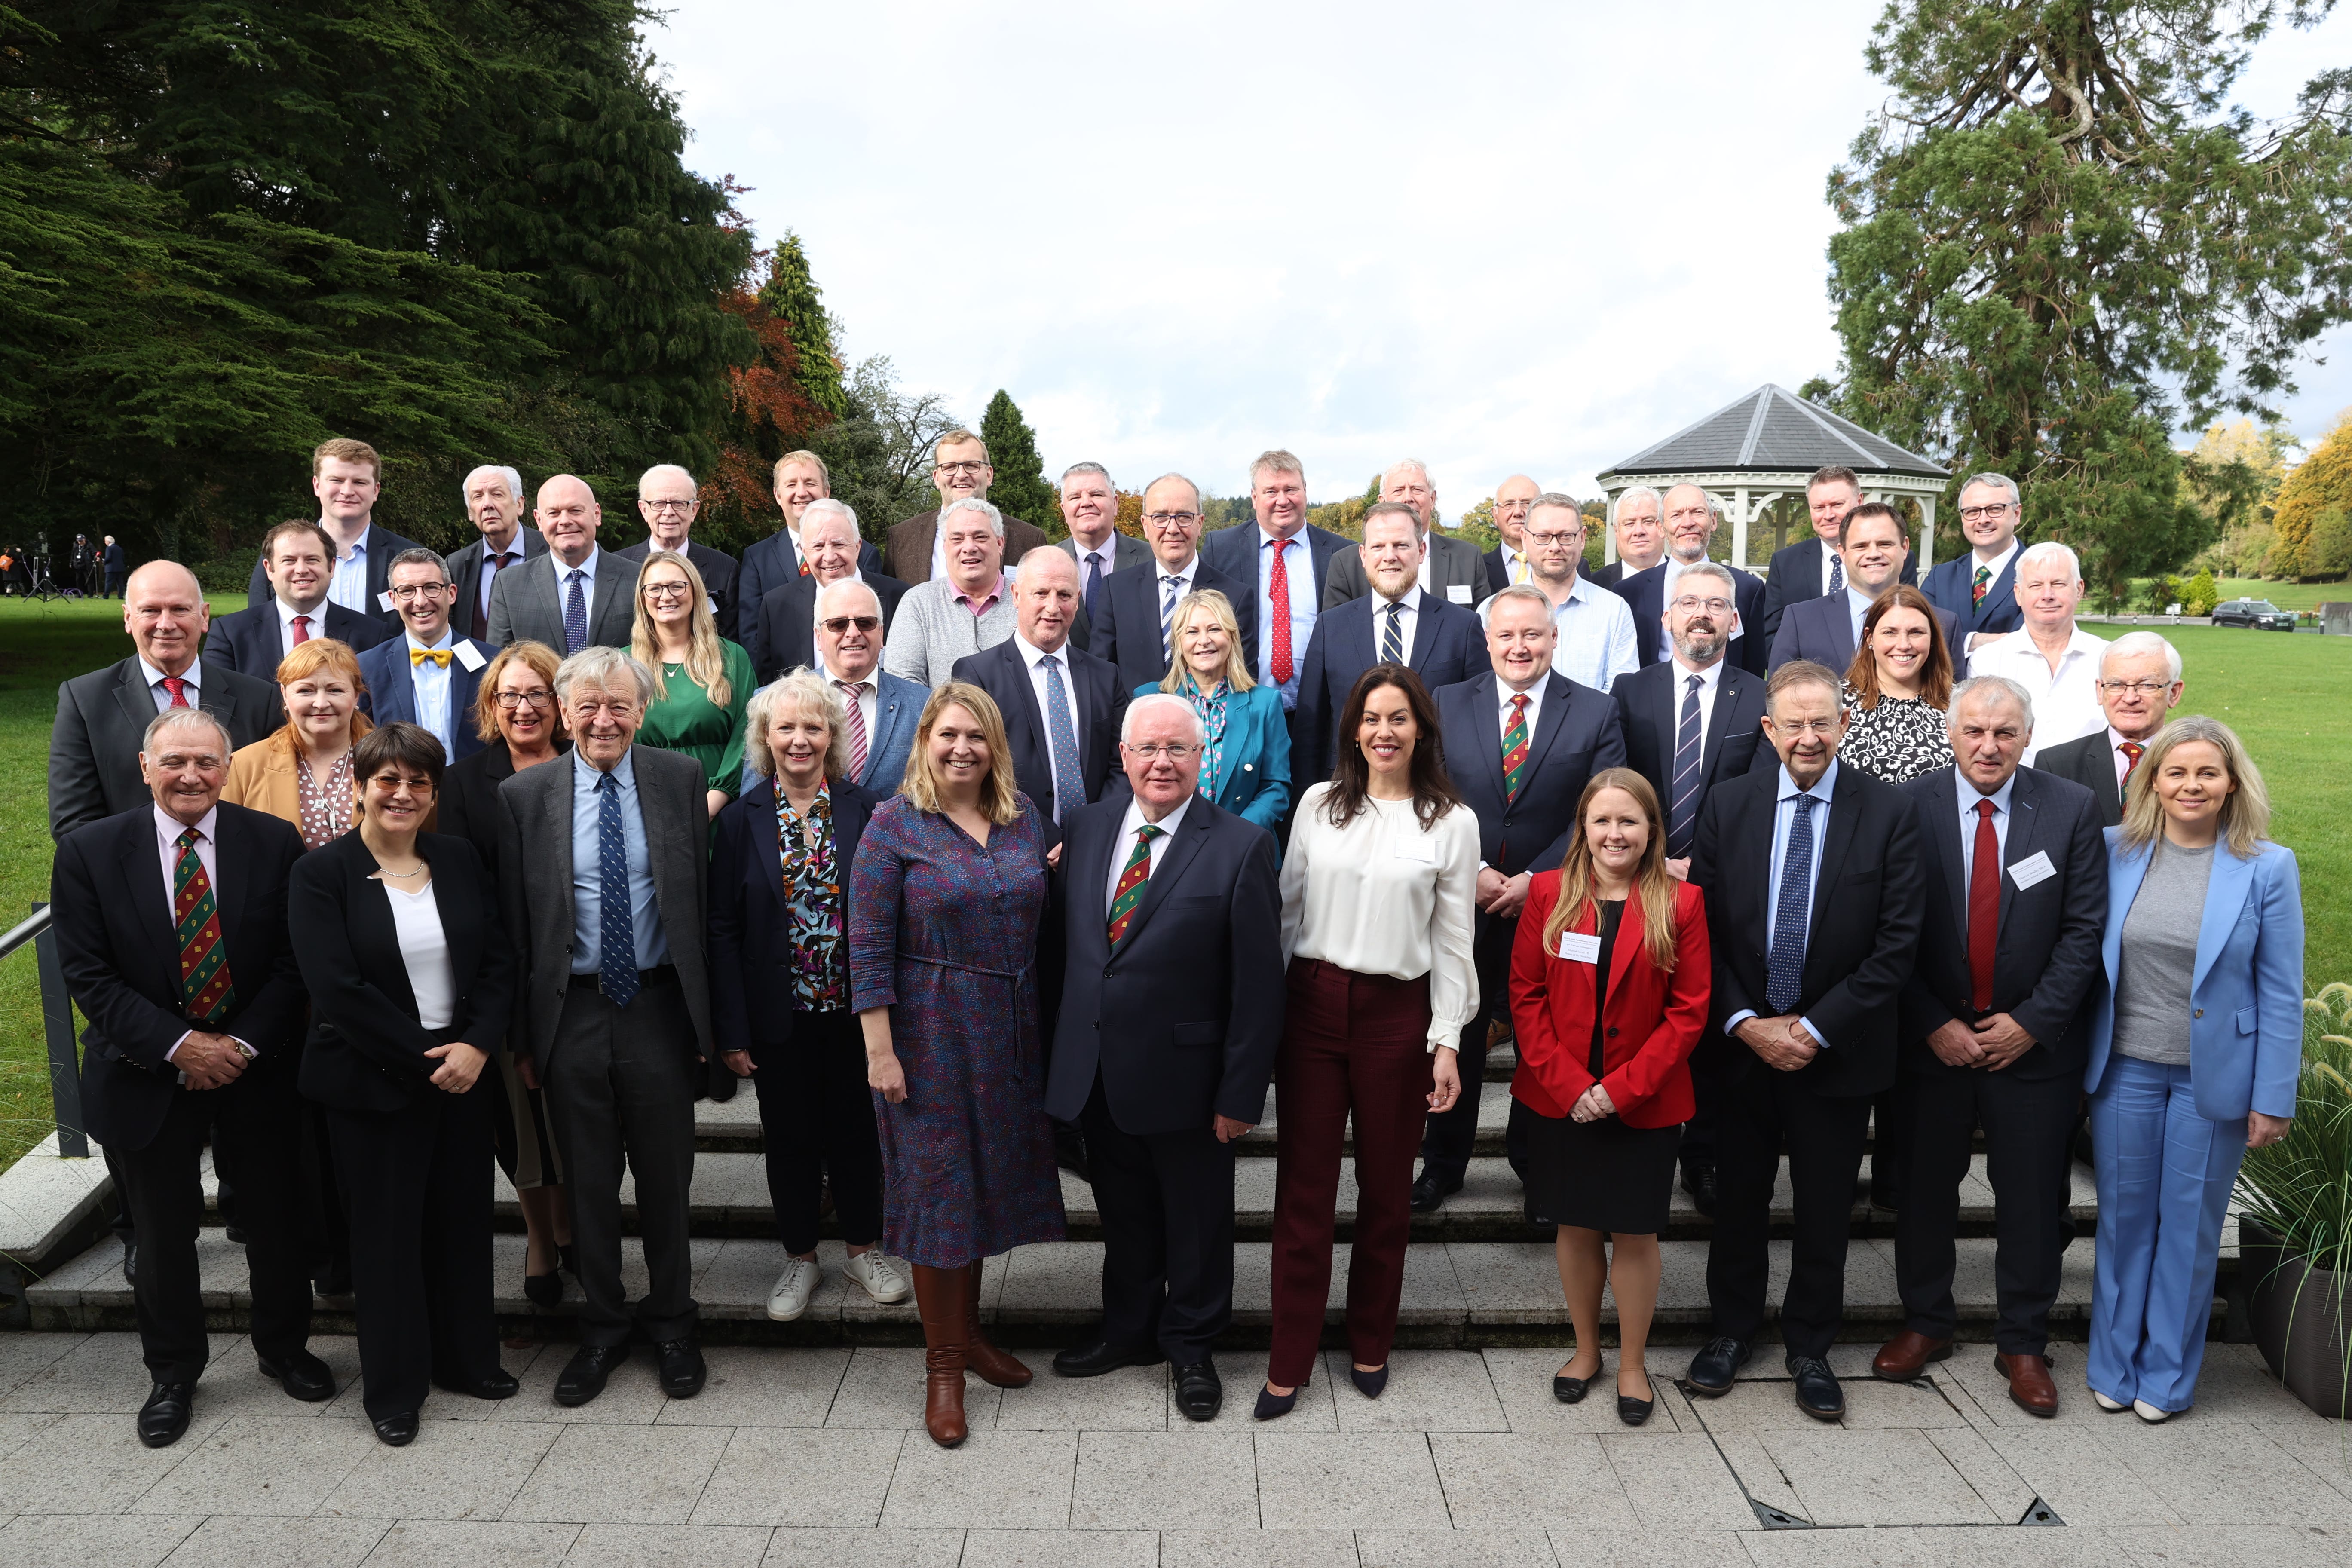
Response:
column 1740, row 528
column 1926, row 533
column 1609, row 534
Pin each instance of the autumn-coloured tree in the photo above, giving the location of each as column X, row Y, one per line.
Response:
column 771, row 408
column 2321, row 483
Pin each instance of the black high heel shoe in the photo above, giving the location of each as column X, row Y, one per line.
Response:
column 543, row 1289
column 1572, row 1390
column 1370, row 1384
column 567, row 1258
column 1271, row 1404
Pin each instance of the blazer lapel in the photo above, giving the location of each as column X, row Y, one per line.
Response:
column 373, row 925
column 2024, row 826
column 130, row 696
column 771, row 842
column 2225, row 895
column 1845, row 800
column 1630, row 936
column 1719, row 716
column 1945, row 836
column 1033, row 738
column 232, row 857
column 1485, row 711
column 151, row 896
column 398, row 698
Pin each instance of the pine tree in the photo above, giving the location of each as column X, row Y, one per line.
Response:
column 1020, row 489
column 792, row 297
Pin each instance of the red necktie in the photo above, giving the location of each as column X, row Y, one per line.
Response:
column 2132, row 751
column 178, row 689
column 849, row 691
column 1277, row 599
column 301, row 630
column 1984, row 908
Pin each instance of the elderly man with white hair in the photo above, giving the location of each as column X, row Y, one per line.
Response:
column 2056, row 661
column 668, row 500
column 2139, row 686
column 884, row 710
column 1451, row 569
column 1062, row 705
column 780, row 631
column 493, row 495
column 944, row 618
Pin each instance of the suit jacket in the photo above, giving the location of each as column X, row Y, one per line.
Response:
column 1868, row 902
column 1952, row 586
column 718, row 569
column 2088, row 762
column 1453, row 563
column 1127, row 554
column 535, row 886
column 472, row 617
column 912, row 541
column 1102, row 708
column 528, row 604
column 1233, row 551
column 1182, row 1022
column 1645, row 592
column 1256, row 784
column 783, row 629
column 1498, row 571
column 366, row 1049
column 2245, row 1025
column 1608, row 577
column 102, row 716
column 898, row 711
column 768, row 564
column 2046, row 958
column 1449, row 646
column 1649, row 704
column 1126, row 633
column 1822, row 631
column 468, row 808
column 1577, row 735
column 121, row 960
column 752, row 950
column 391, row 693
column 1795, row 575
column 383, row 545
column 249, row 642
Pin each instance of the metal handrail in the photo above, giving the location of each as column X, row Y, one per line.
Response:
column 25, row 930
column 56, row 1023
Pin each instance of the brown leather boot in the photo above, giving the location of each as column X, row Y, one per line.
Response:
column 939, row 1295
column 991, row 1363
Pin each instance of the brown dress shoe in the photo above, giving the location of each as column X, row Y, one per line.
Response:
column 991, row 1363
column 1907, row 1355
column 940, row 1298
column 2029, row 1387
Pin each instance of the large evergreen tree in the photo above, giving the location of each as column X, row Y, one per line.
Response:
column 1020, row 489
column 792, row 297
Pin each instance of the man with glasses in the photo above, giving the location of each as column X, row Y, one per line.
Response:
column 299, row 559
column 427, row 676
column 494, row 504
column 1508, row 562
column 1596, row 643
column 883, row 709
column 1640, row 530
column 801, row 481
column 579, row 596
column 1090, row 509
column 1134, row 630
column 668, row 500
column 1980, row 587
column 2139, row 686
column 1451, row 569
column 1691, row 519
column 782, row 635
column 960, row 472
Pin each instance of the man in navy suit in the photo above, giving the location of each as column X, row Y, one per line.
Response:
column 1691, row 521
column 1508, row 562
column 1980, row 587
column 1809, row 569
column 1827, row 630
column 1639, row 526
column 1560, row 734
column 801, row 479
column 1062, row 705
column 1089, row 504
column 1171, row 1012
column 883, row 709
column 298, row 560
column 429, row 675
column 1132, row 630
column 1396, row 622
column 1287, row 565
column 783, row 634
column 668, row 498
column 347, row 477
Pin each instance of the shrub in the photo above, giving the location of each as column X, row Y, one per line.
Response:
column 2301, row 1187
column 2200, row 596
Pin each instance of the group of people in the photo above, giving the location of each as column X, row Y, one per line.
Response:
column 1024, row 853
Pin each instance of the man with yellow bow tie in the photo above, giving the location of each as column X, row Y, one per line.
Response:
column 427, row 676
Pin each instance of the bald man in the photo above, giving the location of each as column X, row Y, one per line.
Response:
column 668, row 500
column 1451, row 569
column 1061, row 706
column 1508, row 562
column 575, row 595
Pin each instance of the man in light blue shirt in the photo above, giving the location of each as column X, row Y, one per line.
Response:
column 1784, row 816
column 1596, row 643
column 587, row 884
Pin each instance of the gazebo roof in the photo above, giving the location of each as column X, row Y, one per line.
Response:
column 1772, row 430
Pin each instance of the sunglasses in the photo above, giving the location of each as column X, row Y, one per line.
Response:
column 838, row 625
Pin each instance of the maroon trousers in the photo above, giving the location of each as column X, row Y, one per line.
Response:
column 1352, row 1044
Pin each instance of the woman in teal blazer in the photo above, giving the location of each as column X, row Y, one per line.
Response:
column 2196, row 1050
column 1245, row 757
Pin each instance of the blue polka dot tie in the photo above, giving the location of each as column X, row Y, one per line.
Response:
column 1784, row 971
column 616, row 926
column 575, row 613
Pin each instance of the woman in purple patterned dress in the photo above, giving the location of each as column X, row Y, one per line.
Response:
column 945, row 901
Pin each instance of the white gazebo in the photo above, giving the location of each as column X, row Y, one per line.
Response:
column 1755, row 451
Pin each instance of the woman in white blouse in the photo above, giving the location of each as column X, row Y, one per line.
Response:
column 1376, row 919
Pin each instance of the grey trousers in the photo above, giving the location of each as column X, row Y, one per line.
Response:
column 620, row 1087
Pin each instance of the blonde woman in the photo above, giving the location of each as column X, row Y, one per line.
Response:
column 702, row 682
column 1246, row 745
column 302, row 773
column 2196, row 1047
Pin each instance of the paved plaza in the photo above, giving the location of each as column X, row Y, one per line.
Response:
column 817, row 1456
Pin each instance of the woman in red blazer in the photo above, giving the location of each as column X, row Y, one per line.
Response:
column 1609, row 993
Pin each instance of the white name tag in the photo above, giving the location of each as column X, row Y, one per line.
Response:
column 1579, row 948
column 1417, row 851
column 2034, row 867
column 1457, row 592
column 384, row 600
column 471, row 658
column 712, row 602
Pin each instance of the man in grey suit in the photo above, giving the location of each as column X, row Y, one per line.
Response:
column 579, row 595
column 1090, row 508
column 604, row 874
column 1452, row 571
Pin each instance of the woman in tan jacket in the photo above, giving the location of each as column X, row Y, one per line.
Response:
column 303, row 772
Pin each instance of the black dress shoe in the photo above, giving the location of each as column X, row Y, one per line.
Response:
column 236, row 1234
column 1070, row 1153
column 1700, row 1182
column 302, row 1376
column 500, row 1384
column 1102, row 1356
column 584, row 1374
column 131, row 1261
column 163, row 1419
column 397, row 1431
column 1200, row 1392
column 1818, row 1393
column 567, row 1258
column 1884, row 1194
column 1430, row 1191
column 1716, row 1367
column 543, row 1290
column 333, row 1281
column 682, row 1370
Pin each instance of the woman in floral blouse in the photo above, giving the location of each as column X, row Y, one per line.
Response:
column 1896, row 691
column 779, row 982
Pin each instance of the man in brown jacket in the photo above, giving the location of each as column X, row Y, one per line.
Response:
column 960, row 471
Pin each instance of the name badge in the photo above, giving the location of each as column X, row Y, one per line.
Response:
column 1457, row 592
column 471, row 658
column 2034, row 867
column 384, row 600
column 1579, row 947
column 712, row 602
column 1417, row 850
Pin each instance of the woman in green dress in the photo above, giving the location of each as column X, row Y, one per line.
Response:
column 702, row 682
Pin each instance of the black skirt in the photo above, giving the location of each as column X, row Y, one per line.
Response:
column 1600, row 1175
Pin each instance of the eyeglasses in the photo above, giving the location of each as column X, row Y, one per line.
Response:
column 2145, row 688
column 1979, row 513
column 1164, row 521
column 416, row 591
column 839, row 625
column 967, row 467
column 667, row 590
column 511, row 701
column 1690, row 606
column 1571, row 538
column 669, row 505
column 1151, row 752
column 1806, row 726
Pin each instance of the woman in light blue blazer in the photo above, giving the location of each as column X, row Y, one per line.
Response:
column 2195, row 1047
column 1245, row 758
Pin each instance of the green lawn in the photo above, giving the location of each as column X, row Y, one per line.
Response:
column 2285, row 595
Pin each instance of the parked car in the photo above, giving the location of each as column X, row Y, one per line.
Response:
column 2260, row 614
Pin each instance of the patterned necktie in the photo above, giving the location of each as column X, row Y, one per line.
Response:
column 1393, row 635
column 1278, row 603
column 2132, row 751
column 1984, row 908
column 1069, row 790
column 1131, row 878
column 616, row 926
column 1837, row 572
column 575, row 613
column 1515, row 748
column 205, row 982
column 1785, row 969
column 1172, row 588
column 1520, row 573
column 1978, row 589
column 178, row 689
column 301, row 630
column 850, row 692
column 437, row 657
column 1682, row 814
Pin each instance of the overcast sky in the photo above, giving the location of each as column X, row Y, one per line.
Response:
column 1499, row 238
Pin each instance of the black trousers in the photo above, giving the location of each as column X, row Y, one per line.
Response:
column 417, row 1188
column 1710, row 1066
column 816, row 1114
column 1167, row 1202
column 1453, row 1133
column 1824, row 1137
column 620, row 1085
column 257, row 1119
column 2029, row 1127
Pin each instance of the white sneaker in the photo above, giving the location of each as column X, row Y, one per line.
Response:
column 879, row 1275
column 793, row 1288
column 2148, row 1413
column 2103, row 1403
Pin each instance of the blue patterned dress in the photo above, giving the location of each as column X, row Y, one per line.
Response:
column 945, row 934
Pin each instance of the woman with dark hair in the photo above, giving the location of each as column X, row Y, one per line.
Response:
column 409, row 989
column 1376, row 903
column 1897, row 690
column 1607, row 1013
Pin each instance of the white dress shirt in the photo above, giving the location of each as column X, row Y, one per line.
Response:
column 1125, row 846
column 424, row 954
column 1997, row 565
column 168, row 829
column 192, row 676
column 1034, row 657
column 1596, row 636
column 348, row 587
column 430, row 682
column 1969, row 795
column 2066, row 699
column 315, row 626
column 1408, row 621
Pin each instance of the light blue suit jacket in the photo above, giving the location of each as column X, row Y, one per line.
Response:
column 391, row 694
column 1257, row 786
column 2245, row 1027
column 898, row 710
